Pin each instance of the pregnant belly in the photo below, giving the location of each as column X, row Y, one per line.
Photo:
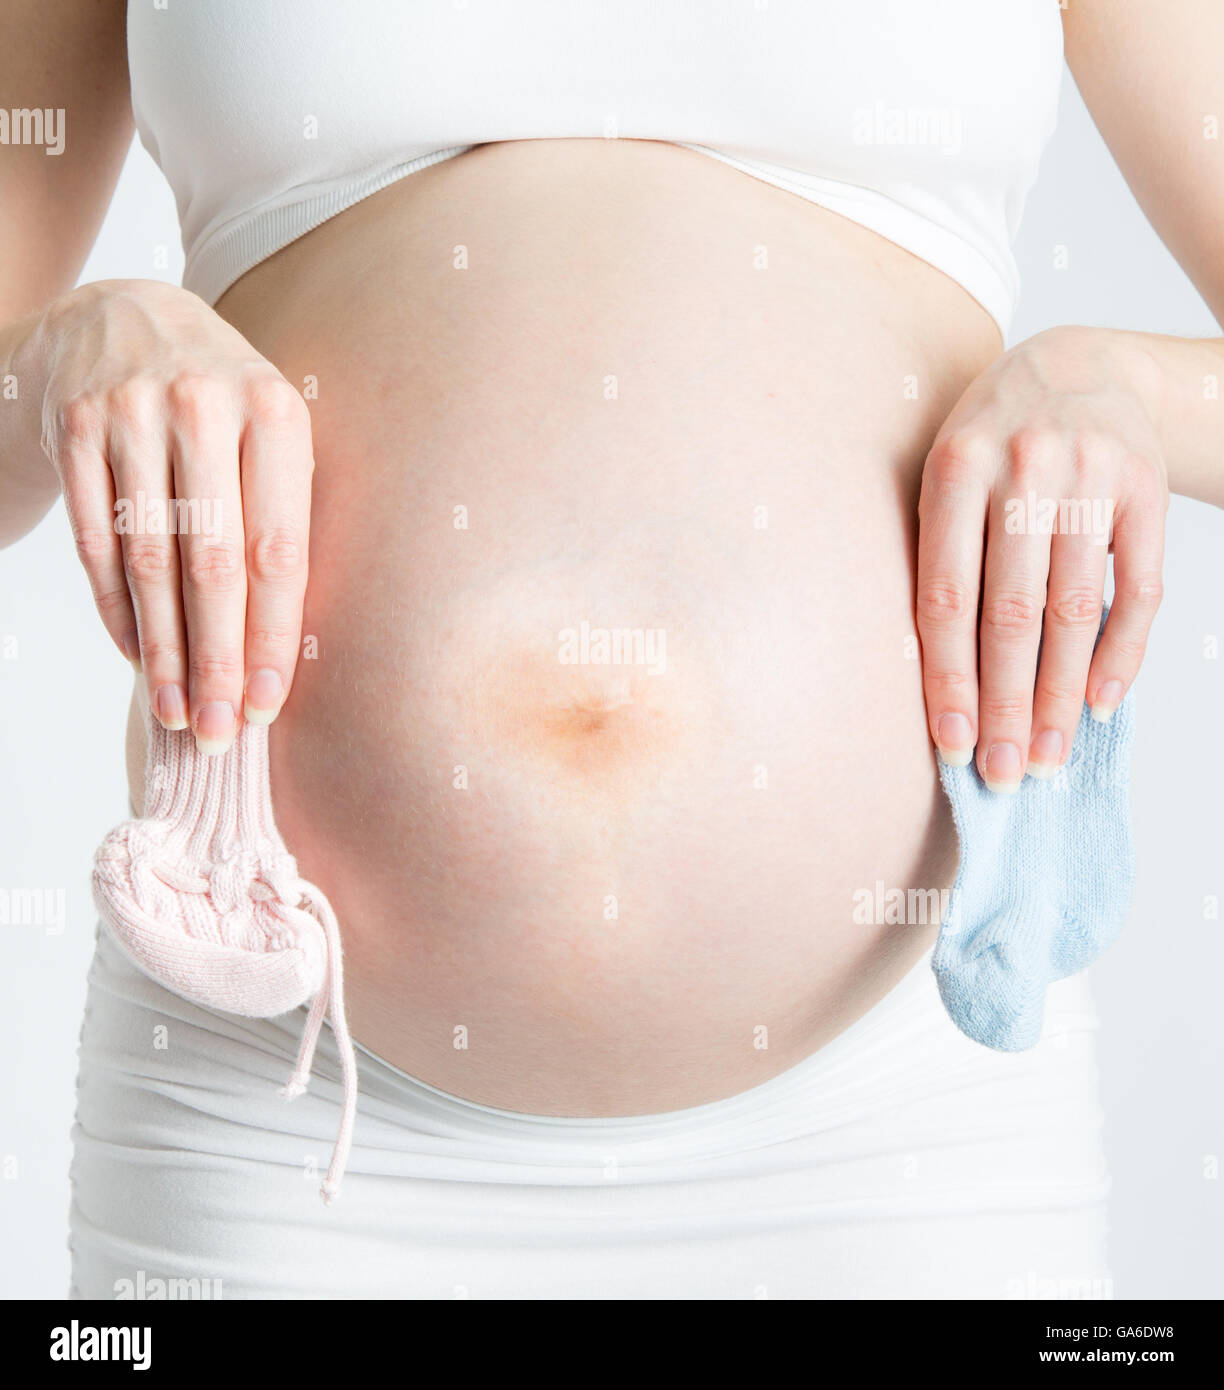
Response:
column 608, row 742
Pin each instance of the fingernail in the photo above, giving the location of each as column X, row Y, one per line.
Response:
column 954, row 739
column 1109, row 697
column 214, row 728
column 131, row 649
column 264, row 694
column 170, row 706
column 1003, row 767
column 1045, row 754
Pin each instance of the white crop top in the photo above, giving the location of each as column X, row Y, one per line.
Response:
column 923, row 120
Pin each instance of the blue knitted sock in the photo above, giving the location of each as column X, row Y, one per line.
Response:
column 1044, row 883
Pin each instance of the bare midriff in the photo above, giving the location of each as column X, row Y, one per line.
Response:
column 608, row 742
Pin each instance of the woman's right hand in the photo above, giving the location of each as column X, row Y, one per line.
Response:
column 185, row 462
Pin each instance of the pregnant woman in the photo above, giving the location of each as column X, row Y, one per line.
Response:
column 598, row 362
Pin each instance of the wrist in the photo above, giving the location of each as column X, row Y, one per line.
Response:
column 1132, row 360
column 1187, row 377
column 1143, row 367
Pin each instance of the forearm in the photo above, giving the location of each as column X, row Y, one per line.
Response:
column 28, row 483
column 1188, row 408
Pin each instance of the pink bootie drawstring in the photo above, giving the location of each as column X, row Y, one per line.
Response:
column 329, row 999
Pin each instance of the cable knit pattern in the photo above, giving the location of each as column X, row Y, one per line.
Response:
column 203, row 895
column 1045, row 880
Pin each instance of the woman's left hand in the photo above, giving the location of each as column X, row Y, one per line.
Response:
column 1051, row 458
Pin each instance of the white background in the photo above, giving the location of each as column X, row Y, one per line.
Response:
column 63, row 702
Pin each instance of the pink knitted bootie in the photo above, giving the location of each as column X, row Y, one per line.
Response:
column 203, row 895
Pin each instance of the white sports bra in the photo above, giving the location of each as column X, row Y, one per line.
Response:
column 923, row 120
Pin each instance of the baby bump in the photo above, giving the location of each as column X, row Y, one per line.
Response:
column 607, row 742
column 605, row 796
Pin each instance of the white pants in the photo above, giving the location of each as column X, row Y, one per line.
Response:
column 900, row 1161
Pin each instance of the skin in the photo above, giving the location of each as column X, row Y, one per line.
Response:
column 444, row 913
column 153, row 391
column 607, row 904
column 1021, row 423
column 1080, row 413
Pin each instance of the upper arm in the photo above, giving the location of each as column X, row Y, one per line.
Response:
column 68, row 57
column 1152, row 74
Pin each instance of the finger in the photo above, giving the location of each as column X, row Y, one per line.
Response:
column 1075, row 593
column 1139, row 538
column 78, row 456
column 951, row 514
column 1013, row 596
column 276, row 471
column 210, row 540
column 137, row 449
